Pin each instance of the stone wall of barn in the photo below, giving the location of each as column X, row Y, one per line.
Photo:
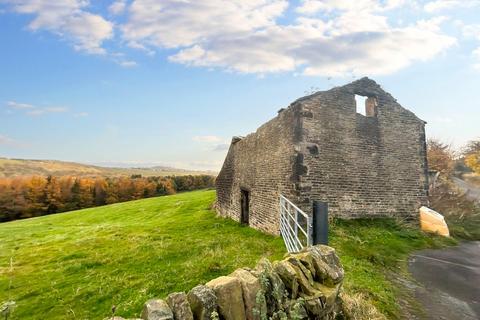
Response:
column 320, row 148
column 261, row 163
column 362, row 165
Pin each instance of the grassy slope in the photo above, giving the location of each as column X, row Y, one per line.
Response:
column 81, row 263
column 20, row 167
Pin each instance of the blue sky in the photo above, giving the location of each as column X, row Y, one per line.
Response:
column 170, row 82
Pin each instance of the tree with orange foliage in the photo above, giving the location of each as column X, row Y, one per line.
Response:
column 54, row 199
column 23, row 197
column 36, row 197
column 440, row 156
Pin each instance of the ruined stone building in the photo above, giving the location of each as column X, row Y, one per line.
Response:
column 321, row 148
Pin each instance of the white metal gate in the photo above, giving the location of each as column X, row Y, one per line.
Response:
column 295, row 226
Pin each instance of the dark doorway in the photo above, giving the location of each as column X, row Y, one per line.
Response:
column 245, row 204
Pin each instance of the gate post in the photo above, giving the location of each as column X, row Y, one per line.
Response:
column 320, row 222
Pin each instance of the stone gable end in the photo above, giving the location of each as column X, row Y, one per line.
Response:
column 320, row 148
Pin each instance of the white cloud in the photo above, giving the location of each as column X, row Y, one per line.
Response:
column 206, row 139
column 56, row 109
column 379, row 52
column 33, row 110
column 313, row 6
column 80, row 114
column 68, row 19
column 40, row 111
column 20, row 106
column 246, row 37
column 221, row 147
column 473, row 32
column 118, row 7
column 175, row 23
column 128, row 63
column 320, row 37
column 318, row 50
column 476, row 56
column 441, row 5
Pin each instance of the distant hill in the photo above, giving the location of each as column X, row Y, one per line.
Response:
column 21, row 167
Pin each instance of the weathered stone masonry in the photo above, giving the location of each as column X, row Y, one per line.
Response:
column 320, row 148
column 304, row 285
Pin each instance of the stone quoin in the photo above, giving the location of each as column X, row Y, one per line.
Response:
column 320, row 148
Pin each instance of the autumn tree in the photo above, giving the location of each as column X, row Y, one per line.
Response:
column 35, row 194
column 23, row 197
column 100, row 192
column 440, row 156
column 54, row 199
column 472, row 156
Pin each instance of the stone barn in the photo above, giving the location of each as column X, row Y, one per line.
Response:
column 364, row 161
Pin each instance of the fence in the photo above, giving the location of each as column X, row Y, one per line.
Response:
column 296, row 227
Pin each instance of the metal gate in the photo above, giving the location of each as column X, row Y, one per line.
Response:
column 296, row 227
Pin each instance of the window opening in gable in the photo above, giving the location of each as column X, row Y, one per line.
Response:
column 366, row 106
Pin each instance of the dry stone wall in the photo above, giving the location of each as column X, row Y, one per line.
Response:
column 304, row 285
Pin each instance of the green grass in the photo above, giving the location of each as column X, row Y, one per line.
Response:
column 79, row 264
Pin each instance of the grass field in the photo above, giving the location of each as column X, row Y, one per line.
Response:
column 77, row 265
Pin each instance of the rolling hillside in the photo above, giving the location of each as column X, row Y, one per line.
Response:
column 77, row 265
column 20, row 167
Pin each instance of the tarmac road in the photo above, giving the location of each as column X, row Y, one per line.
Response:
column 471, row 191
column 449, row 281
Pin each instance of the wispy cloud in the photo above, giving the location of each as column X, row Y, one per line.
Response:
column 128, row 63
column 34, row 110
column 472, row 31
column 476, row 56
column 40, row 111
column 118, row 7
column 206, row 139
column 10, row 142
column 20, row 106
column 120, row 59
column 221, row 147
column 440, row 5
